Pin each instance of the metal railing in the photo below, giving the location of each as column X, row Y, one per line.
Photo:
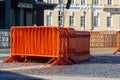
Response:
column 104, row 39
column 4, row 38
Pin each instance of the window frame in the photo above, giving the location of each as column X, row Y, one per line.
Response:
column 60, row 19
column 59, row 1
column 82, row 21
column 96, row 21
column 71, row 20
column 109, row 21
column 49, row 1
column 96, row 2
column 108, row 3
column 48, row 20
column 72, row 2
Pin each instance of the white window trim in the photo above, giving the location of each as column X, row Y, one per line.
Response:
column 51, row 20
column 111, row 21
column 50, row 13
column 98, row 20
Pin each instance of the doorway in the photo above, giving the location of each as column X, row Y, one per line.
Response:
column 28, row 18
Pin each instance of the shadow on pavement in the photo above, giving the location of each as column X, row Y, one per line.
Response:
column 104, row 59
column 6, row 75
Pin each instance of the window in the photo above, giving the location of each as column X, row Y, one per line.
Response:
column 82, row 21
column 71, row 20
column 82, row 2
column 61, row 1
column 95, row 21
column 109, row 2
column 95, row 2
column 49, row 1
column 60, row 19
column 109, row 20
column 72, row 1
column 49, row 20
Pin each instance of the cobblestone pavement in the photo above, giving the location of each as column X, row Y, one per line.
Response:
column 103, row 66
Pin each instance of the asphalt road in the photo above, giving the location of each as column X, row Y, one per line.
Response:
column 103, row 66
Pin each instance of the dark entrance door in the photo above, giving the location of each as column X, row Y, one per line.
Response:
column 2, row 18
column 28, row 18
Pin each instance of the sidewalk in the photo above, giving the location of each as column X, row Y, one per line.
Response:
column 103, row 66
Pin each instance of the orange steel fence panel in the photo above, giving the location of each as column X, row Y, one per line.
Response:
column 35, row 41
column 63, row 45
column 104, row 40
column 118, row 48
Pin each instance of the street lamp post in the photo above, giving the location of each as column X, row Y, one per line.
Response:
column 92, row 19
column 62, row 10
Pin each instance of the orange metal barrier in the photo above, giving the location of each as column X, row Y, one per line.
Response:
column 118, row 48
column 63, row 45
column 104, row 40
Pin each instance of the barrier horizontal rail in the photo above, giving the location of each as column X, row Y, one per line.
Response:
column 63, row 45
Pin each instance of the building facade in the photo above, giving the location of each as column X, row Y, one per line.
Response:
column 84, row 14
column 22, row 13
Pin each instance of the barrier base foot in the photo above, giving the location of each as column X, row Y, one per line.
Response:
column 62, row 61
column 9, row 59
column 78, row 58
column 14, row 58
column 118, row 50
column 71, row 59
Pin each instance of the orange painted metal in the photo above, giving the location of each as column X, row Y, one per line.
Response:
column 104, row 39
column 118, row 43
column 107, row 40
column 63, row 45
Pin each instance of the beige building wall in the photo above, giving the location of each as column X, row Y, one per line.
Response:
column 116, row 21
column 88, row 21
column 54, row 15
column 102, row 10
column 105, row 1
column 103, row 20
column 66, row 17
